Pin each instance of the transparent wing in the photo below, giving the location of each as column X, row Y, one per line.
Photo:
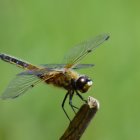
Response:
column 19, row 85
column 40, row 72
column 75, row 55
column 37, row 72
column 24, row 81
column 60, row 66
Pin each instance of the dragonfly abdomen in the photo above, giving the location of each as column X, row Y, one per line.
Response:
column 16, row 61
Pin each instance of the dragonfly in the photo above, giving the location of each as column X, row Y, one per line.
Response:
column 62, row 75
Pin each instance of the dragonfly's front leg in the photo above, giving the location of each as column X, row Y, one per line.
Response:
column 81, row 97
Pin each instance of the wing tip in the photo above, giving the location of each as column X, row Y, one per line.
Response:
column 104, row 36
column 107, row 36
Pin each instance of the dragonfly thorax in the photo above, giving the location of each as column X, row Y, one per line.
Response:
column 83, row 83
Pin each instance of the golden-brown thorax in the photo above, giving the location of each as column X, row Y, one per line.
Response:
column 62, row 79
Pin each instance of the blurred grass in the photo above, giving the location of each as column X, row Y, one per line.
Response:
column 32, row 30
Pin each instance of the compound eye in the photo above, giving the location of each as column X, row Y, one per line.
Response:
column 83, row 84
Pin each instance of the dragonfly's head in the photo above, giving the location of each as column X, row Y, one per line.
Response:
column 83, row 83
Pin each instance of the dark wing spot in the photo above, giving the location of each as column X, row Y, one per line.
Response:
column 107, row 37
column 32, row 85
column 88, row 51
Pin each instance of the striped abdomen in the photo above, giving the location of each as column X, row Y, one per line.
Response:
column 17, row 62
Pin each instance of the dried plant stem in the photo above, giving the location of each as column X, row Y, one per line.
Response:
column 81, row 120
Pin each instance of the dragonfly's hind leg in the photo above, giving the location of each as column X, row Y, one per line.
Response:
column 70, row 102
column 63, row 103
column 70, row 93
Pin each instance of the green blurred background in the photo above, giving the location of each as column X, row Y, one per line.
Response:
column 41, row 32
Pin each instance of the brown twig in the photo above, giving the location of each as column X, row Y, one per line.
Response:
column 81, row 120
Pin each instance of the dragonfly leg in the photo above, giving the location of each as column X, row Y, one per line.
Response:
column 81, row 97
column 70, row 102
column 63, row 103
